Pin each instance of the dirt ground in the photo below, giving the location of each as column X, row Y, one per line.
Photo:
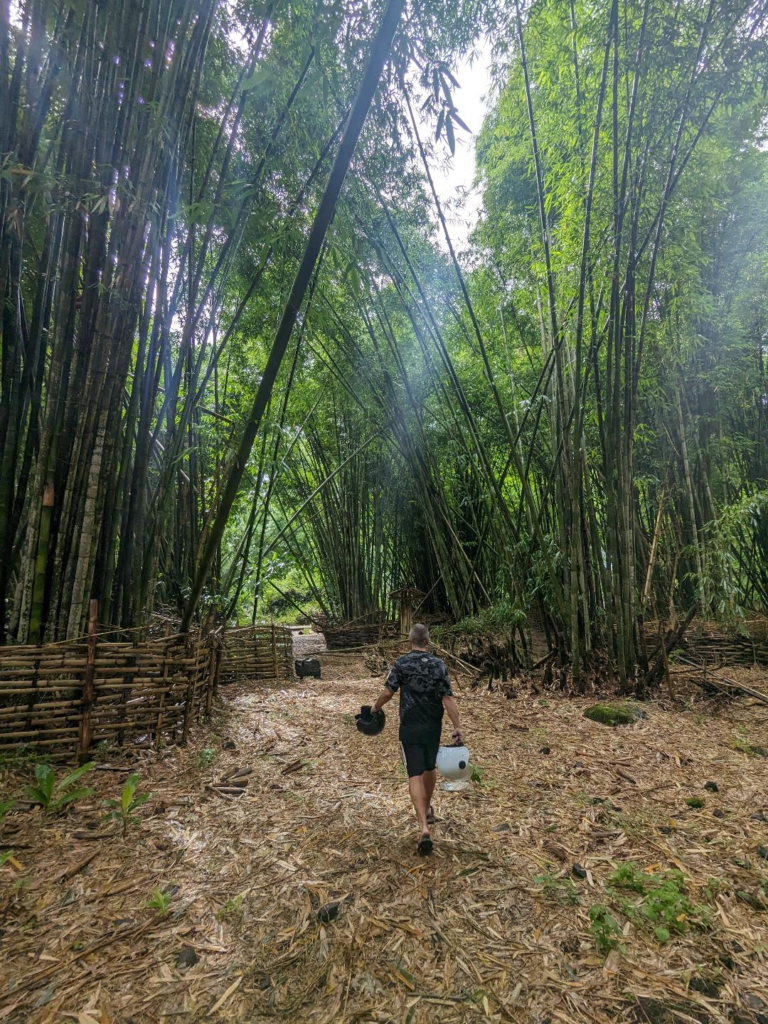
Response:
column 304, row 900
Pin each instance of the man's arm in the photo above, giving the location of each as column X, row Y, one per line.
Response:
column 391, row 686
column 385, row 696
column 453, row 713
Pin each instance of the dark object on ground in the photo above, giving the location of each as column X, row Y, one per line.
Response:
column 578, row 764
column 230, row 745
column 369, row 723
column 186, row 957
column 578, row 871
column 758, row 817
column 762, row 852
column 755, row 1004
column 329, row 911
column 705, row 986
column 425, row 846
column 718, row 813
column 711, row 786
column 308, row 667
column 613, row 714
column 503, row 827
column 544, row 750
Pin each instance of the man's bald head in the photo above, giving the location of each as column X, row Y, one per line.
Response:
column 419, row 635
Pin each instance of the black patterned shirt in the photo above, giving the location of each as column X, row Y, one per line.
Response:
column 422, row 680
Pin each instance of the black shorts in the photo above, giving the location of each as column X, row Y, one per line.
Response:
column 419, row 757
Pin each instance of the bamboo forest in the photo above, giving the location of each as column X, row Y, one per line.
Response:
column 384, row 347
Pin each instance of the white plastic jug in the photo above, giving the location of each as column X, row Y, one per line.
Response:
column 453, row 763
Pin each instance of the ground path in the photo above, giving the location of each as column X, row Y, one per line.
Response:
column 304, row 900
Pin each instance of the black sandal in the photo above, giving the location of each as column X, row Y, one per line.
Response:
column 425, row 846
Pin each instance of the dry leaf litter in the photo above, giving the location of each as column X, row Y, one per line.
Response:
column 294, row 892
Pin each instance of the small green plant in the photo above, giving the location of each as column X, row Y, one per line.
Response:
column 714, row 887
column 232, row 908
column 5, row 856
column 477, row 774
column 159, row 901
column 122, row 810
column 559, row 890
column 53, row 796
column 604, row 928
column 205, row 757
column 629, row 876
column 5, row 806
column 695, row 802
column 664, row 905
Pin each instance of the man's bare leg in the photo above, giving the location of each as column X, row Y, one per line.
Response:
column 429, row 788
column 419, row 799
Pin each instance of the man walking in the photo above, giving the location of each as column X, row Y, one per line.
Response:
column 425, row 690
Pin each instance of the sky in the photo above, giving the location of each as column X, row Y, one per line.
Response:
column 454, row 176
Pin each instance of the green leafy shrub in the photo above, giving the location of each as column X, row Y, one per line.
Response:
column 205, row 757
column 695, row 802
column 604, row 928
column 53, row 796
column 501, row 618
column 664, row 906
column 629, row 876
column 122, row 810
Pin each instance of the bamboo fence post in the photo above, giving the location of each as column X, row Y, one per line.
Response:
column 33, row 696
column 274, row 653
column 210, row 677
column 217, row 666
column 189, row 704
column 161, row 707
column 84, row 736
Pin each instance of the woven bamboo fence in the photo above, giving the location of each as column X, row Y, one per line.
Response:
column 69, row 698
column 257, row 652
column 350, row 635
column 711, row 645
